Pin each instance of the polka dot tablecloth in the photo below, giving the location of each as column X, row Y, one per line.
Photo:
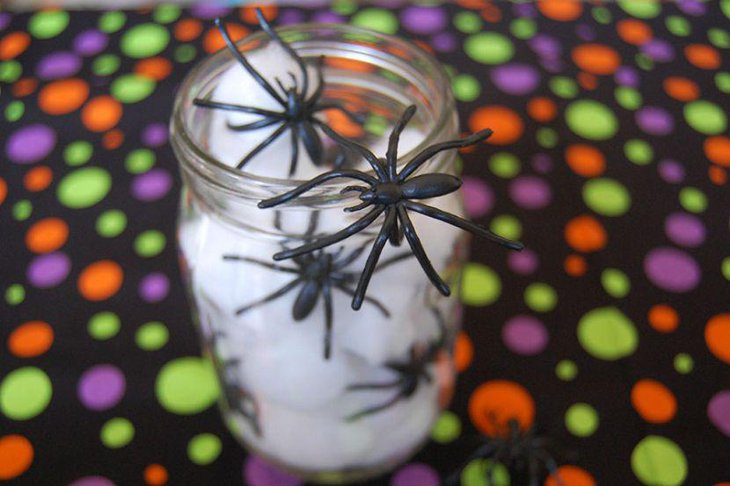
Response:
column 609, row 334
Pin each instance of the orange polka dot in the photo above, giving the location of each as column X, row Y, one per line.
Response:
column 100, row 280
column 188, row 29
column 575, row 265
column 634, row 31
column 585, row 234
column 663, row 318
column 570, row 476
column 681, row 89
column 343, row 125
column 112, row 139
column 30, row 339
column 596, row 58
column 491, row 13
column 349, row 64
column 16, row 456
column 155, row 475
column 38, row 178
column 717, row 175
column 717, row 149
column 101, row 113
column 24, row 87
column 3, row 190
column 653, row 401
column 717, row 336
column 495, row 403
column 563, row 10
column 506, row 123
column 702, row 56
column 157, row 68
column 463, row 351
column 46, row 235
column 213, row 40
column 63, row 96
column 587, row 81
column 13, row 44
column 248, row 13
column 542, row 109
column 472, row 4
column 585, row 160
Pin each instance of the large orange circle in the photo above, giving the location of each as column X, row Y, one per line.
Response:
column 634, row 31
column 63, row 96
column 101, row 113
column 681, row 89
column 46, row 235
column 30, row 339
column 157, row 68
column 717, row 336
column 653, row 401
column 542, row 109
column 505, row 122
column 571, row 476
column 585, row 233
column 16, row 456
column 100, row 280
column 563, row 10
column 213, row 40
column 155, row 475
column 596, row 58
column 495, row 403
column 663, row 318
column 38, row 178
column 703, row 56
column 585, row 160
column 188, row 29
column 717, row 149
column 13, row 44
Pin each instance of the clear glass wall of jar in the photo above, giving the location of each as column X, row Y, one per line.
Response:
column 371, row 404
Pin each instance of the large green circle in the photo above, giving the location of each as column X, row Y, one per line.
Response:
column 47, row 24
column 112, row 21
column 25, row 393
column 480, row 285
column 166, row 13
column 581, row 420
column 186, row 386
column 117, row 432
column 84, row 187
column 658, row 460
column 606, row 196
column 131, row 88
column 489, row 48
column 643, row 9
column 705, row 117
column 10, row 71
column 144, row 40
column 379, row 19
column 447, row 428
column 591, row 120
column 678, row 25
column 204, row 449
column 606, row 333
column 468, row 22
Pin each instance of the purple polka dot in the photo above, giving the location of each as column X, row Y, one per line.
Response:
column 478, row 197
column 258, row 472
column 671, row 171
column 424, row 20
column 5, row 19
column 546, row 46
column 524, row 9
column 516, row 79
column 90, row 42
column 585, row 32
column 542, row 163
column 92, row 481
column 692, row 7
column 552, row 65
column 685, row 229
column 152, row 185
column 530, row 192
column 30, row 144
column 654, row 120
column 525, row 335
column 327, row 17
column 209, row 11
column 672, row 270
column 718, row 411
column 101, row 387
column 444, row 42
column 523, row 262
column 289, row 17
column 154, row 287
column 45, row 271
column 415, row 475
column 627, row 76
column 154, row 135
column 658, row 50
column 58, row 65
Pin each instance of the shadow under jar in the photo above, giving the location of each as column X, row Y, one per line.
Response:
column 323, row 391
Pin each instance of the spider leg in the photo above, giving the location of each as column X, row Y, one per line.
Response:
column 268, row 141
column 312, row 142
column 313, row 222
column 551, row 466
column 372, row 261
column 370, row 300
column 358, row 207
column 357, row 148
column 393, row 260
column 266, row 27
column 294, row 152
column 429, row 152
column 396, row 235
column 274, row 295
column 281, row 85
column 463, row 224
column 534, row 471
column 350, row 258
column 420, row 253
column 392, row 154
column 373, row 386
column 246, row 65
column 375, row 409
column 266, row 122
column 483, row 452
column 334, row 105
column 271, row 266
column 327, row 295
column 231, row 107
column 299, row 190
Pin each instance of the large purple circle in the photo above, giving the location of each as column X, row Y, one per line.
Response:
column 530, row 192
column 424, row 20
column 692, row 7
column 523, row 262
column 655, row 120
column 154, row 287
column 49, row 270
column 671, row 171
column 151, row 185
column 685, row 229
column 92, row 481
column 546, row 46
column 515, row 79
column 30, row 143
column 658, row 50
column 90, row 42
column 59, row 64
column 718, row 411
column 101, row 387
column 478, row 197
column 525, row 335
column 672, row 270
column 415, row 475
column 258, row 472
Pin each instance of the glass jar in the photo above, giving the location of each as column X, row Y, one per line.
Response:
column 326, row 392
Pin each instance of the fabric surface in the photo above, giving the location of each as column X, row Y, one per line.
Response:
column 610, row 333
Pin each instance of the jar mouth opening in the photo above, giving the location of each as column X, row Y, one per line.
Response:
column 233, row 179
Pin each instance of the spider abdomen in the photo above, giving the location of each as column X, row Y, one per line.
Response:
column 306, row 300
column 430, row 185
column 386, row 193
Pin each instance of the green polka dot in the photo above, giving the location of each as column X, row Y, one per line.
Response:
column 117, row 433
column 639, row 151
column 105, row 65
column 14, row 111
column 344, row 7
column 563, row 86
column 644, row 61
column 678, row 26
column 606, row 333
column 185, row 53
column 722, row 81
column 602, row 15
column 15, row 294
column 507, row 226
column 606, row 196
column 480, row 285
column 376, row 125
column 204, row 449
column 546, row 137
column 468, row 22
column 591, row 119
column 683, row 363
column 149, row 243
column 165, row 14
column 78, row 153
column 139, row 161
column 693, row 200
column 447, row 428
column 489, row 48
column 22, row 210
column 10, row 71
column 566, row 370
column 643, row 9
column 132, row 88
column 541, row 297
column 485, row 472
column 705, row 117
column 581, row 420
column 186, row 386
column 112, row 21
column 725, row 7
column 628, row 98
column 47, row 24
column 523, row 28
column 466, row 87
column 505, row 165
column 104, row 325
column 658, row 460
column 144, row 40
column 615, row 282
column 378, row 19
column 725, row 268
column 719, row 38
column 111, row 223
column 84, row 187
column 24, row 393
column 152, row 336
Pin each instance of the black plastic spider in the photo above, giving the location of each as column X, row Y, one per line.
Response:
column 392, row 193
column 298, row 111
